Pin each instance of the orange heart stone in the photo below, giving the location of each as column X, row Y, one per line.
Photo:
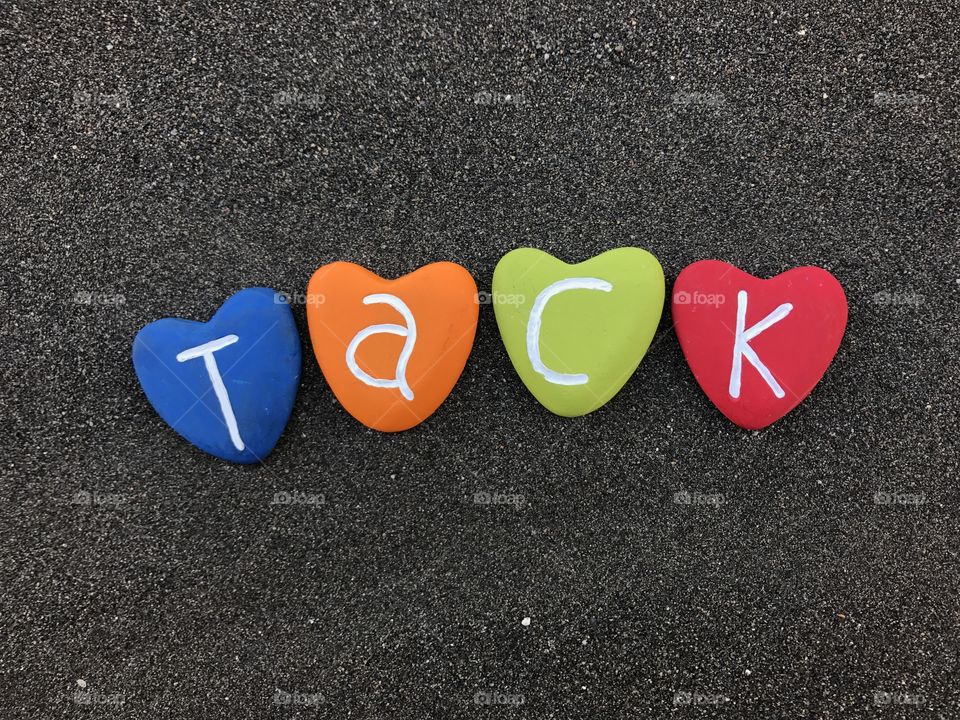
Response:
column 392, row 350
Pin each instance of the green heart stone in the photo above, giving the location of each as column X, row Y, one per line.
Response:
column 576, row 333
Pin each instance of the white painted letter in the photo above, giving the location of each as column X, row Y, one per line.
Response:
column 742, row 349
column 409, row 332
column 536, row 320
column 206, row 351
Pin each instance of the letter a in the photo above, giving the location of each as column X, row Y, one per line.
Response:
column 742, row 349
column 206, row 351
column 409, row 332
column 536, row 320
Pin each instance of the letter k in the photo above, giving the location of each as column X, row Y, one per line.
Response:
column 742, row 349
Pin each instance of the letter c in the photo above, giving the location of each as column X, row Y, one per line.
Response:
column 536, row 321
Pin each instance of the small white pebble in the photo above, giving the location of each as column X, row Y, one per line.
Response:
column 109, row 46
column 747, row 672
column 525, row 622
column 81, row 682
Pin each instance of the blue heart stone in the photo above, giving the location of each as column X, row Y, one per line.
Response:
column 227, row 385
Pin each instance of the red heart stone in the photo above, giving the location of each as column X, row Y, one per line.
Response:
column 789, row 328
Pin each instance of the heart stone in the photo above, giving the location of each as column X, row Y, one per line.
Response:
column 226, row 385
column 757, row 347
column 392, row 350
column 576, row 333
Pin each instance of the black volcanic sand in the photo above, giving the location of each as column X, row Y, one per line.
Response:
column 158, row 159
